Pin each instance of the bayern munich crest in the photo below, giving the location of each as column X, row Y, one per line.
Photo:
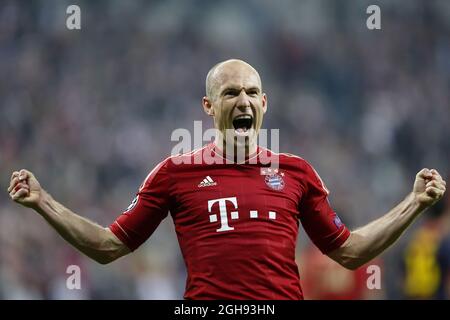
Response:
column 274, row 181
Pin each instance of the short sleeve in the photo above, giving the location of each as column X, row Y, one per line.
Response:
column 150, row 206
column 319, row 220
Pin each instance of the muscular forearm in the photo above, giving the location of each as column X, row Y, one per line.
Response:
column 369, row 241
column 90, row 238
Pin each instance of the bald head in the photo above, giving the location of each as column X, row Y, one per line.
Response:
column 224, row 70
column 233, row 89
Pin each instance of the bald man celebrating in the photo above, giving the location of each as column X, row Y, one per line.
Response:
column 236, row 222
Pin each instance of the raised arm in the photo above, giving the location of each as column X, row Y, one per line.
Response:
column 369, row 241
column 93, row 240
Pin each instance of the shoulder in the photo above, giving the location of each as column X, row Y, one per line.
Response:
column 195, row 156
column 172, row 164
column 305, row 172
column 159, row 172
column 289, row 159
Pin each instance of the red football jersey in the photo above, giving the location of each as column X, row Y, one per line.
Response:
column 237, row 224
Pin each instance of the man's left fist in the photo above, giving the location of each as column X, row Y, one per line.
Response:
column 429, row 187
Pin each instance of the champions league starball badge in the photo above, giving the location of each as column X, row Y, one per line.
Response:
column 337, row 221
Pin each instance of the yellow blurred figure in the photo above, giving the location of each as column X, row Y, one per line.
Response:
column 423, row 274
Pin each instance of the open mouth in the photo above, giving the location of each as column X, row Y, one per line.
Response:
column 242, row 123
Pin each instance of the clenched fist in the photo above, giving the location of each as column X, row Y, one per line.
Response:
column 429, row 187
column 25, row 189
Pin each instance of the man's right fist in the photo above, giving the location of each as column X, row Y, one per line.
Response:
column 24, row 188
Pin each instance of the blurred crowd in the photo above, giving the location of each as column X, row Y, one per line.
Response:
column 91, row 112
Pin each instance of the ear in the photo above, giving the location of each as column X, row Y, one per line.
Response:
column 207, row 106
column 264, row 102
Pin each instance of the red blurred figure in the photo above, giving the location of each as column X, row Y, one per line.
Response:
column 324, row 279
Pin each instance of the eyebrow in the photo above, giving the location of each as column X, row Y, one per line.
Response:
column 231, row 88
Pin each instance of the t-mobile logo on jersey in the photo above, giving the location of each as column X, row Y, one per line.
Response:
column 224, row 226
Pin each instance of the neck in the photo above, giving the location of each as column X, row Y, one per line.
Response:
column 233, row 151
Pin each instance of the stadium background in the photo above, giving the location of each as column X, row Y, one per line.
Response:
column 90, row 112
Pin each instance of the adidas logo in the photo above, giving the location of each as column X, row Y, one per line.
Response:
column 207, row 182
